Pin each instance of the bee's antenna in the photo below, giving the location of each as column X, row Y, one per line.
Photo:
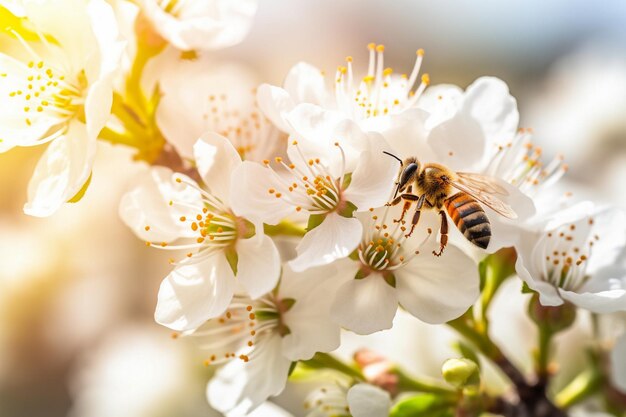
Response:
column 393, row 156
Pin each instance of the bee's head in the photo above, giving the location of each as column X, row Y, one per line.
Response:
column 409, row 169
column 408, row 172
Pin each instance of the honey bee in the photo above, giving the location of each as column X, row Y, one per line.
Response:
column 434, row 186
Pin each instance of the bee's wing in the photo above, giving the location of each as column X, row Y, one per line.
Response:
column 484, row 189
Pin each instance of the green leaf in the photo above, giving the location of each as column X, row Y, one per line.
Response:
column 81, row 193
column 314, row 221
column 423, row 405
column 232, row 258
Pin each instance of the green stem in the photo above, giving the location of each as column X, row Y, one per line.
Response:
column 410, row 384
column 116, row 138
column 582, row 387
column 284, row 228
column 145, row 52
column 543, row 355
column 487, row 347
column 327, row 361
column 494, row 270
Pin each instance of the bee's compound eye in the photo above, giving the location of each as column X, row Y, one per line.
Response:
column 407, row 174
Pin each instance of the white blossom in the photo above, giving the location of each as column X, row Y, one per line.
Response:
column 390, row 269
column 573, row 259
column 200, row 24
column 380, row 100
column 201, row 96
column 333, row 166
column 223, row 248
column 56, row 88
column 257, row 340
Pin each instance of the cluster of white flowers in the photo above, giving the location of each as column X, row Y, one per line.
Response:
column 307, row 160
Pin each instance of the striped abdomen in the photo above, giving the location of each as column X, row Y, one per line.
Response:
column 470, row 218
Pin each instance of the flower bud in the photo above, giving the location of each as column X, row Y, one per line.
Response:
column 461, row 373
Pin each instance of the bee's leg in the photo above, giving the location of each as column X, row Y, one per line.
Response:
column 396, row 199
column 408, row 200
column 444, row 233
column 416, row 216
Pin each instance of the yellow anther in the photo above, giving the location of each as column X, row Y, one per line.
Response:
column 348, row 59
column 420, row 52
column 387, row 71
column 426, row 79
column 371, row 46
column 380, row 48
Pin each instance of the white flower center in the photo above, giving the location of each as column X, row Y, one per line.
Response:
column 252, row 134
column 308, row 185
column 519, row 163
column 379, row 92
column 565, row 265
column 215, row 225
column 329, row 400
column 241, row 330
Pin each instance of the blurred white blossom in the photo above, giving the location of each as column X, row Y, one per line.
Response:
column 56, row 88
column 200, row 24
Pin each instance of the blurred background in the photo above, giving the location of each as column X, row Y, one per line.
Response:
column 78, row 290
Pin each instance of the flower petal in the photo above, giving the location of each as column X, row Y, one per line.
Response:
column 373, row 178
column 256, row 203
column 195, row 292
column 366, row 400
column 438, row 289
column 334, row 239
column 239, row 387
column 275, row 103
column 526, row 270
column 61, row 172
column 203, row 25
column 216, row 159
column 604, row 292
column 365, row 305
column 309, row 322
column 306, row 84
column 488, row 101
column 258, row 266
column 146, row 206
column 458, row 143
